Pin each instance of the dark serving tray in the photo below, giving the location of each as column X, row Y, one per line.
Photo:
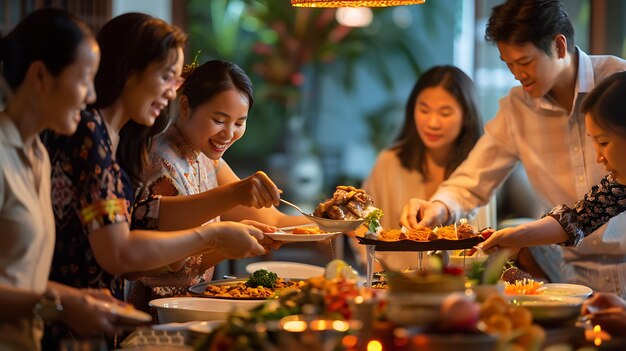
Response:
column 412, row 245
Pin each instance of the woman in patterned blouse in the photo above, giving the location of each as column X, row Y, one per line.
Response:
column 186, row 159
column 605, row 119
column 93, row 185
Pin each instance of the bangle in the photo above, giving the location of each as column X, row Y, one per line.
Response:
column 48, row 308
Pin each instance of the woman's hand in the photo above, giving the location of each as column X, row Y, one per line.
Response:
column 265, row 228
column 257, row 191
column 232, row 239
column 82, row 314
column 267, row 242
column 508, row 237
column 544, row 231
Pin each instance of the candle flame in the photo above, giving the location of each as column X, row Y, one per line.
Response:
column 374, row 345
column 597, row 340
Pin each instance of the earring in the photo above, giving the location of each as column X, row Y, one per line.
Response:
column 602, row 159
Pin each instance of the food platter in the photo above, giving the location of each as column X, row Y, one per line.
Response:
column 412, row 245
column 199, row 290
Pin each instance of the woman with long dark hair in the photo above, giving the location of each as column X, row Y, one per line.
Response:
column 441, row 126
column 96, row 171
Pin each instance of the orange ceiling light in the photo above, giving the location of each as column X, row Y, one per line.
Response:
column 353, row 3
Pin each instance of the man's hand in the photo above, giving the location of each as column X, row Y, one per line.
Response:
column 420, row 212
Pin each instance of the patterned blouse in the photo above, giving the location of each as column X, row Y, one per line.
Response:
column 601, row 203
column 89, row 191
column 176, row 169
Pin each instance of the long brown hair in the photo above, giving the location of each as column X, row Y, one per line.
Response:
column 410, row 148
column 129, row 43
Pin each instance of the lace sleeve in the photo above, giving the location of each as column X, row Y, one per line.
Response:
column 601, row 203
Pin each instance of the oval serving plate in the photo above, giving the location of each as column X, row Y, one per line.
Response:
column 290, row 237
column 199, row 289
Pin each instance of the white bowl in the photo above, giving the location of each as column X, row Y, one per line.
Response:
column 553, row 309
column 185, row 309
column 287, row 270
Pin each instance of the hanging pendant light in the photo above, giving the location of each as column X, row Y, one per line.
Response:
column 353, row 3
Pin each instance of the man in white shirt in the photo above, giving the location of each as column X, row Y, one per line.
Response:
column 540, row 125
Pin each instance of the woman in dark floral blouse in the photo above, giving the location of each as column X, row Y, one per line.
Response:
column 605, row 119
column 95, row 172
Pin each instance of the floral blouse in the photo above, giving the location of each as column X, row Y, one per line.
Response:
column 89, row 191
column 601, row 203
column 176, row 169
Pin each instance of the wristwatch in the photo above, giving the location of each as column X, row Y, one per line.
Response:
column 48, row 308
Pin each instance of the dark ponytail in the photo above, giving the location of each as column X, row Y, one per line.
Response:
column 3, row 87
column 605, row 103
column 204, row 82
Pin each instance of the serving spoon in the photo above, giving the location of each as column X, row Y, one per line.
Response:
column 329, row 225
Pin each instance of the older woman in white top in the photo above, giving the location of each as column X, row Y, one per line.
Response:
column 49, row 61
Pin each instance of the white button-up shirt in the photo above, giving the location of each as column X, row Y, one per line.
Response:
column 559, row 160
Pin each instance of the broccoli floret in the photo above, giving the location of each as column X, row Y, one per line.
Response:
column 263, row 278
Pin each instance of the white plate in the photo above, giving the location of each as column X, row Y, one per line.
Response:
column 126, row 314
column 186, row 309
column 288, row 270
column 288, row 237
